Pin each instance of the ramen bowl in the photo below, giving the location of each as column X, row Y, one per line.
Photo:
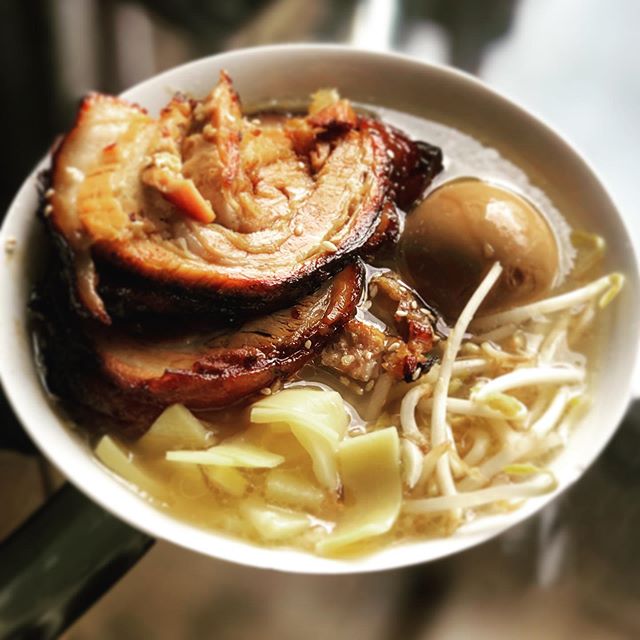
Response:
column 291, row 73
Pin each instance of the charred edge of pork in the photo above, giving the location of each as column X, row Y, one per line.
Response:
column 128, row 293
column 132, row 297
column 222, row 377
column 415, row 163
column 128, row 289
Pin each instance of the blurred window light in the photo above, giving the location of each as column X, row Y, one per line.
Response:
column 427, row 41
column 279, row 21
column 374, row 24
column 134, row 46
column 75, row 53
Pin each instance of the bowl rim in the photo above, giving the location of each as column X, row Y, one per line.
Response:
column 139, row 513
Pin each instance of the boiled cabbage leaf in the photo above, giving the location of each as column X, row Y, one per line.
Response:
column 120, row 460
column 228, row 479
column 274, row 523
column 176, row 428
column 292, row 489
column 236, row 454
column 316, row 417
column 370, row 470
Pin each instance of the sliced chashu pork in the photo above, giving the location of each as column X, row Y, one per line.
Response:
column 206, row 210
column 398, row 338
column 132, row 377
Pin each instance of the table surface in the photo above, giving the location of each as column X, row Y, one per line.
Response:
column 572, row 571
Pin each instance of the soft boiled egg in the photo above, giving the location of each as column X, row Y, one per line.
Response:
column 454, row 236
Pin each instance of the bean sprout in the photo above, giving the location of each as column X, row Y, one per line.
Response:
column 516, row 491
column 520, row 388
column 551, row 341
column 438, row 417
column 521, row 445
column 529, row 376
column 464, row 407
column 496, row 335
column 605, row 288
column 412, row 462
column 480, row 447
column 430, row 461
column 471, row 365
column 408, row 410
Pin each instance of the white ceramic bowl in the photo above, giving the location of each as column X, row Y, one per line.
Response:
column 393, row 81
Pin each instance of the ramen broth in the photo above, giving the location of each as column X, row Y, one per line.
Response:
column 237, row 500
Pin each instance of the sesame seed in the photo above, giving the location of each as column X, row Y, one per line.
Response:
column 48, row 210
column 391, row 154
column 344, row 380
column 359, row 391
column 488, row 250
column 48, row 193
column 367, row 305
column 369, row 385
column 298, row 230
column 373, row 291
column 394, row 346
column 329, row 246
column 416, row 374
column 368, row 355
column 401, row 313
column 266, row 391
column 414, row 305
column 307, row 344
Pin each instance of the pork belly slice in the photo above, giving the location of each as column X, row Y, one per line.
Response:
column 398, row 339
column 205, row 209
column 95, row 186
column 131, row 377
